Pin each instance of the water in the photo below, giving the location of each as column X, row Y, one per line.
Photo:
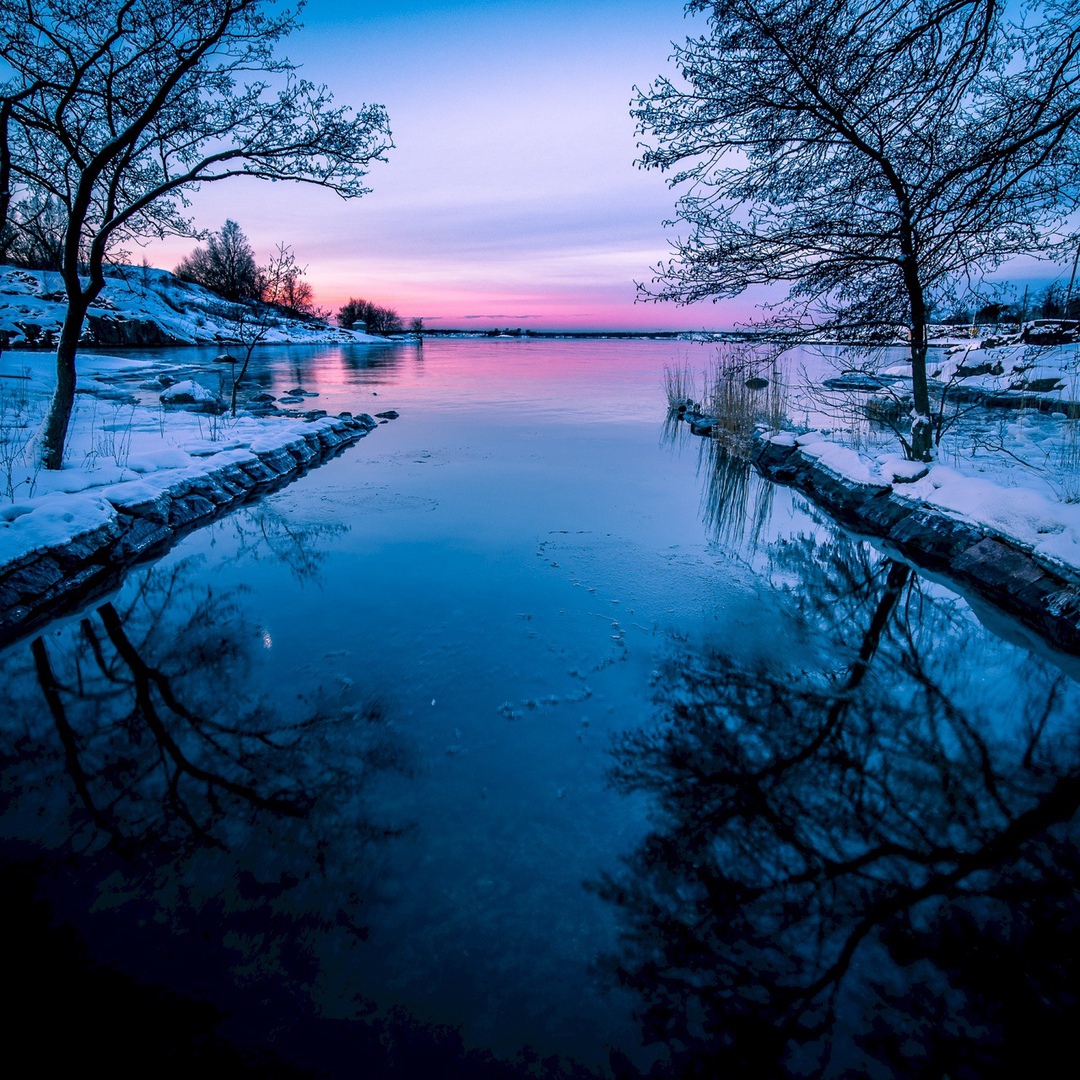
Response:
column 467, row 721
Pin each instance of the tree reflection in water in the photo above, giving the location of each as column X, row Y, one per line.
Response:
column 200, row 824
column 863, row 862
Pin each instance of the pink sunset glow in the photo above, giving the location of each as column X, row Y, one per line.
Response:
column 511, row 198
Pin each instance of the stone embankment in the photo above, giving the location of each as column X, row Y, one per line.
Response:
column 34, row 587
column 983, row 565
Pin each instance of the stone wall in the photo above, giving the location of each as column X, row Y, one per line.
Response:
column 988, row 566
column 37, row 586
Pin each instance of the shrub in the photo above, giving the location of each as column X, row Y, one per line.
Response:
column 225, row 266
column 362, row 313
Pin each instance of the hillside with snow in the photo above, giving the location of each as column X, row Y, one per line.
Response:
column 144, row 306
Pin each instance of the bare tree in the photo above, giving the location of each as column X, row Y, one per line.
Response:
column 115, row 107
column 871, row 156
column 257, row 317
column 281, row 282
column 226, row 264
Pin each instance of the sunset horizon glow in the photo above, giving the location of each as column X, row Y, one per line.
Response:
column 511, row 198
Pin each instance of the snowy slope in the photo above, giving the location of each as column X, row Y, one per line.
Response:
column 142, row 306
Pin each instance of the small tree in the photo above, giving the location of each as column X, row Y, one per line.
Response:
column 115, row 107
column 282, row 283
column 868, row 154
column 257, row 317
column 378, row 320
column 226, row 265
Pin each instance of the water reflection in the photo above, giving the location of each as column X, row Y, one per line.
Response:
column 736, row 501
column 206, row 827
column 863, row 859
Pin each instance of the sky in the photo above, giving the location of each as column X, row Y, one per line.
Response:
column 511, row 198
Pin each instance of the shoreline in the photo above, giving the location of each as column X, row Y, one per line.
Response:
column 142, row 524
column 973, row 558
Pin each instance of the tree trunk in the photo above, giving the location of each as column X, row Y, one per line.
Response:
column 52, row 450
column 922, row 427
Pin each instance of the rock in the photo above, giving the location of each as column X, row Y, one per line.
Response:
column 115, row 330
column 290, row 400
column 996, row 568
column 225, row 358
column 1049, row 333
column 756, row 383
column 1039, row 386
column 141, row 536
column 278, row 461
column 314, row 414
column 904, row 472
column 966, row 372
column 390, row 414
column 857, row 380
column 938, row 538
column 883, row 511
column 188, row 509
column 263, row 397
column 192, row 395
column 36, row 578
column 81, row 549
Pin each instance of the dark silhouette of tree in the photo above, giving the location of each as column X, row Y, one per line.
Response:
column 376, row 319
column 34, row 237
column 279, row 286
column 226, row 265
column 115, row 107
column 281, row 283
column 852, row 852
column 871, row 156
column 162, row 742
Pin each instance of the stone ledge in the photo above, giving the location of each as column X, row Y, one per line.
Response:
column 36, row 586
column 975, row 559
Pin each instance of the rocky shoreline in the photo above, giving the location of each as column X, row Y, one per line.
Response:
column 1040, row 597
column 41, row 583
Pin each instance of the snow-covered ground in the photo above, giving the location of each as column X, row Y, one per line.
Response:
column 1009, row 458
column 143, row 306
column 1029, row 519
column 122, row 449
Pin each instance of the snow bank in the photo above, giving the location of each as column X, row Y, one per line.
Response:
column 1027, row 519
column 143, row 306
column 148, row 459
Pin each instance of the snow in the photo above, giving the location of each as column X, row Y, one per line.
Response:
column 33, row 304
column 188, row 391
column 116, row 454
column 1028, row 519
column 841, row 460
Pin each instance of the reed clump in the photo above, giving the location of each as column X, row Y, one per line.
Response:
column 680, row 388
column 744, row 391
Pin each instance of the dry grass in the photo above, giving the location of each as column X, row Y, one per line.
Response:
column 739, row 402
column 680, row 387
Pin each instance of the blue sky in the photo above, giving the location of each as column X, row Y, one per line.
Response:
column 512, row 197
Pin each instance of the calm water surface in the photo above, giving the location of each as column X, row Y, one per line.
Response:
column 527, row 719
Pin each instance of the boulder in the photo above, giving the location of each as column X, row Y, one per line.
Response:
column 191, row 395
